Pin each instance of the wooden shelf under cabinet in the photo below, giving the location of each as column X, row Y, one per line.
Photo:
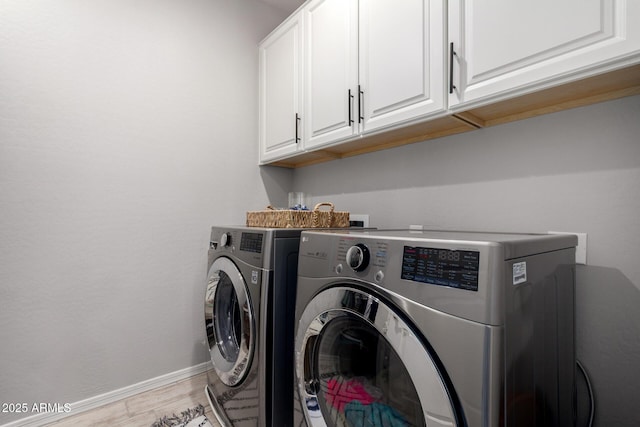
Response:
column 604, row 87
column 422, row 131
column 599, row 88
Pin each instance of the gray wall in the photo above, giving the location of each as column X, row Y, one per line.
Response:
column 127, row 129
column 577, row 170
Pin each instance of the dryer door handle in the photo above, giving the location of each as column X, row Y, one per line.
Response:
column 311, row 386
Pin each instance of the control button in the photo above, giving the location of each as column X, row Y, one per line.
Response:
column 379, row 276
column 358, row 257
column 339, row 268
column 225, row 239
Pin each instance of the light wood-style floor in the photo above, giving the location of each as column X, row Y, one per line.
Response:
column 145, row 408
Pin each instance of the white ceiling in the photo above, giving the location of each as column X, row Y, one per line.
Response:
column 287, row 6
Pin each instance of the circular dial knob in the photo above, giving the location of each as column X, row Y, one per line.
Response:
column 358, row 257
column 225, row 239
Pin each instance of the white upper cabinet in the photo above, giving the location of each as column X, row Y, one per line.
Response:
column 345, row 77
column 401, row 52
column 331, row 70
column 280, row 91
column 370, row 65
column 502, row 48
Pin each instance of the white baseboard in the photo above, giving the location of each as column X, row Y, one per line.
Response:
column 110, row 397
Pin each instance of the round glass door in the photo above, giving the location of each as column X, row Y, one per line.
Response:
column 359, row 364
column 229, row 322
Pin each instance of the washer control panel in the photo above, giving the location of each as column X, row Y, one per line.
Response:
column 248, row 246
column 225, row 240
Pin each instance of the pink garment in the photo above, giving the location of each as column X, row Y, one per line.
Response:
column 340, row 393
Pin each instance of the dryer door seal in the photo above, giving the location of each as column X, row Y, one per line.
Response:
column 229, row 322
column 357, row 359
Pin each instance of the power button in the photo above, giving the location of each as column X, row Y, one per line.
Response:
column 379, row 276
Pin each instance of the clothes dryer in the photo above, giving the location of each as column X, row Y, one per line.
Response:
column 249, row 304
column 433, row 328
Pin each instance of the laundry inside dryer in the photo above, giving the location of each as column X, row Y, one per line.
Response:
column 361, row 378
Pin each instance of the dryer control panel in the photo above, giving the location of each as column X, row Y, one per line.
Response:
column 443, row 267
column 358, row 257
column 364, row 259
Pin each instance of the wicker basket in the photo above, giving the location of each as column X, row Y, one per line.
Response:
column 291, row 218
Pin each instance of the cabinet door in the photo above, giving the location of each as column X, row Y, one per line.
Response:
column 280, row 93
column 401, row 60
column 505, row 48
column 331, row 70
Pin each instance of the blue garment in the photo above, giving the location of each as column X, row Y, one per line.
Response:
column 373, row 415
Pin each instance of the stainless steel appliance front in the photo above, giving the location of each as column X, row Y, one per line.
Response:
column 249, row 324
column 434, row 328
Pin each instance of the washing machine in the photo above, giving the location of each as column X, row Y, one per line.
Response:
column 249, row 305
column 435, row 328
